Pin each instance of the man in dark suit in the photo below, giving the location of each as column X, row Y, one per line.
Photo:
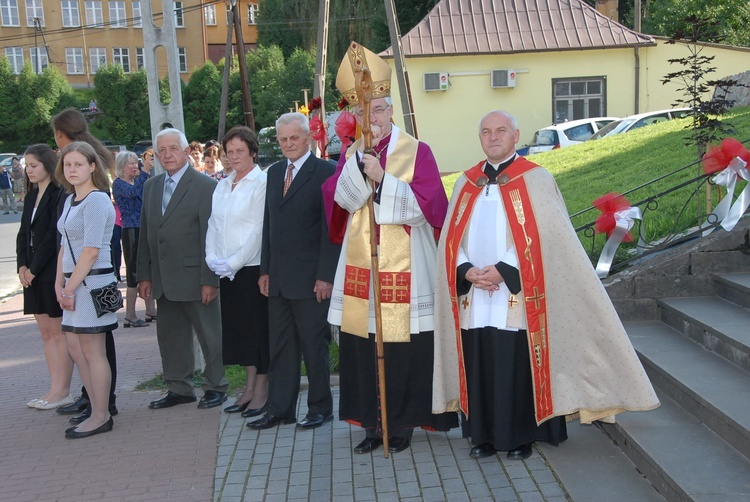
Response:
column 172, row 268
column 297, row 266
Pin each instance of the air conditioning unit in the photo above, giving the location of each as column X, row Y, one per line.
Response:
column 503, row 78
column 436, row 81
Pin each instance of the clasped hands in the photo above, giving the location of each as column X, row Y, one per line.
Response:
column 25, row 276
column 487, row 278
column 222, row 269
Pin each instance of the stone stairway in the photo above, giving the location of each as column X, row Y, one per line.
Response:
column 696, row 350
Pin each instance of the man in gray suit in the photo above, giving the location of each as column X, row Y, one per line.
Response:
column 172, row 268
column 297, row 266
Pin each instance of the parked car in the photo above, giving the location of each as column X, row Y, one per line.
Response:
column 567, row 133
column 640, row 120
column 4, row 156
column 141, row 146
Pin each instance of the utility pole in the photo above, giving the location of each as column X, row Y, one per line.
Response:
column 410, row 122
column 247, row 103
column 228, row 63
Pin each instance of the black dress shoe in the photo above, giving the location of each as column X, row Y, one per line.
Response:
column 73, row 409
column 236, row 408
column 254, row 412
column 314, row 420
column 396, row 444
column 171, row 399
column 105, row 427
column 482, row 451
column 211, row 399
column 77, row 419
column 521, row 452
column 367, row 445
column 270, row 421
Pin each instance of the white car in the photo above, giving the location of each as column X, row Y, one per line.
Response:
column 640, row 120
column 567, row 133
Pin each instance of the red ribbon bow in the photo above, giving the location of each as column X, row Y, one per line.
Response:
column 609, row 204
column 346, row 128
column 718, row 157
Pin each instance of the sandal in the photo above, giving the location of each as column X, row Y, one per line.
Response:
column 150, row 317
column 138, row 323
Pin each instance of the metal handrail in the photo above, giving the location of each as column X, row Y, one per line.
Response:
column 687, row 224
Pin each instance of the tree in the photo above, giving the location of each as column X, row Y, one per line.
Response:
column 694, row 83
column 123, row 99
column 201, row 101
column 729, row 19
column 9, row 105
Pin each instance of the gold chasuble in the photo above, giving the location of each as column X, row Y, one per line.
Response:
column 395, row 260
column 525, row 233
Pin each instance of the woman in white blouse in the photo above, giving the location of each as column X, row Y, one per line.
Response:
column 233, row 252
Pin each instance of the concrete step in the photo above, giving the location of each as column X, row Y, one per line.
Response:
column 593, row 468
column 681, row 457
column 734, row 287
column 715, row 392
column 718, row 324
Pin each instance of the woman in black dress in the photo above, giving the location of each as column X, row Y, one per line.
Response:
column 36, row 254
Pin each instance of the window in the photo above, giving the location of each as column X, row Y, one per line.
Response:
column 121, row 56
column 252, row 13
column 209, row 12
column 15, row 58
column 137, row 17
column 38, row 54
column 117, row 18
column 97, row 58
column 74, row 60
column 179, row 20
column 34, row 10
column 9, row 12
column 182, row 56
column 94, row 16
column 70, row 14
column 139, row 61
column 578, row 98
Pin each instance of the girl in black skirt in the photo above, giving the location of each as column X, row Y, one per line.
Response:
column 36, row 250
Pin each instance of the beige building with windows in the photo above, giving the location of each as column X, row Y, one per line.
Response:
column 544, row 62
column 80, row 36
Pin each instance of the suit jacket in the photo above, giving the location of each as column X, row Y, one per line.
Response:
column 172, row 247
column 38, row 241
column 296, row 250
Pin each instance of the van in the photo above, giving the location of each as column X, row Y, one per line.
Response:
column 567, row 133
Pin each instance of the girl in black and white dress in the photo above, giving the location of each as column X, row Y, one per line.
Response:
column 86, row 228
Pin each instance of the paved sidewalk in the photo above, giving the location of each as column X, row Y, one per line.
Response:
column 187, row 454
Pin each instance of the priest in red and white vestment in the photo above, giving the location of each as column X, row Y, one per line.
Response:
column 409, row 207
column 525, row 334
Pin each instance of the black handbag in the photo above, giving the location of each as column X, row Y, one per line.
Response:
column 107, row 299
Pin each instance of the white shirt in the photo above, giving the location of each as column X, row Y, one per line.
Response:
column 235, row 228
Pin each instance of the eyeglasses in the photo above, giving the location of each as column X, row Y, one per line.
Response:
column 377, row 111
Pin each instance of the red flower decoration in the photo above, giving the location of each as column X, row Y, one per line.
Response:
column 346, row 127
column 718, row 157
column 316, row 128
column 609, row 204
column 343, row 103
column 314, row 104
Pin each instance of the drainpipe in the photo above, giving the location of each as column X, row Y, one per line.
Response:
column 637, row 54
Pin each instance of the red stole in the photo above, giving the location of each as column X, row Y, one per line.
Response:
column 525, row 233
